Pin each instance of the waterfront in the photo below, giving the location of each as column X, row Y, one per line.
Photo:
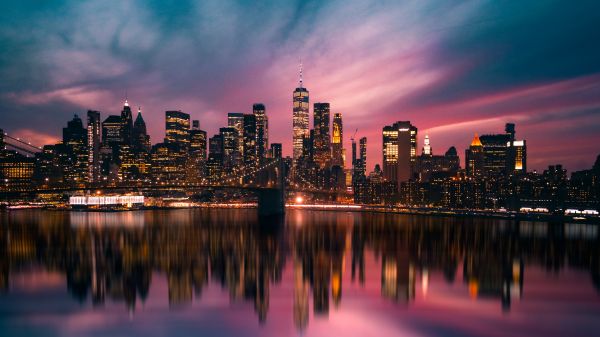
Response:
column 316, row 273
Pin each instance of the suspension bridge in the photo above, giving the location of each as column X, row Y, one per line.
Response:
column 270, row 195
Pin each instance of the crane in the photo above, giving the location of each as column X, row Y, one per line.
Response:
column 354, row 135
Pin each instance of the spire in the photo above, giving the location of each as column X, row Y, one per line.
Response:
column 476, row 141
column 139, row 119
column 301, row 73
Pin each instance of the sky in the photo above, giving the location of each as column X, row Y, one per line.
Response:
column 452, row 68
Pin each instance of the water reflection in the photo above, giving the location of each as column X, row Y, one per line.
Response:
column 116, row 255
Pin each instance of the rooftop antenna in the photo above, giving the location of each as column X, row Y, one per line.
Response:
column 301, row 73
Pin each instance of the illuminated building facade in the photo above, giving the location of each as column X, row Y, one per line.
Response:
column 399, row 151
column 177, row 128
column 75, row 139
column 322, row 140
column 427, row 147
column 197, row 141
column 474, row 157
column 229, row 147
column 428, row 164
column 250, row 157
column 300, row 118
column 112, row 132
column 16, row 170
column 517, row 157
column 236, row 120
column 93, row 145
column 214, row 164
column 276, row 151
column 262, row 131
column 337, row 141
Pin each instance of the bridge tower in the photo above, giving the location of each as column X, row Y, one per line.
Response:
column 271, row 201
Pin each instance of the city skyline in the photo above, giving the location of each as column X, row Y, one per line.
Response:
column 429, row 63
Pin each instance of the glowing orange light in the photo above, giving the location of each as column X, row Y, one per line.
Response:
column 299, row 200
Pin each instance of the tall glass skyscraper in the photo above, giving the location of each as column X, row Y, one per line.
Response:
column 300, row 118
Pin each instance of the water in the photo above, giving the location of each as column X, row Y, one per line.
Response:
column 225, row 273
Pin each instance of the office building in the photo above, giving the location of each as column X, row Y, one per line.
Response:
column 474, row 157
column 93, row 145
column 322, row 140
column 250, row 157
column 236, row 120
column 337, row 141
column 262, row 131
column 127, row 123
column 300, row 119
column 141, row 139
column 229, row 148
column 399, row 151
column 197, row 141
column 75, row 140
column 276, row 151
column 177, row 129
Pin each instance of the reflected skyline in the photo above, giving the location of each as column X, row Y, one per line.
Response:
column 325, row 260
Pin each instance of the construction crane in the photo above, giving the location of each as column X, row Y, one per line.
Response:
column 354, row 135
column 353, row 148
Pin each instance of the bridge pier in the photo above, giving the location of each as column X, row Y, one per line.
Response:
column 271, row 202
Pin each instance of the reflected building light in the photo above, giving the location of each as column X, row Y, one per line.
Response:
column 425, row 282
column 473, row 288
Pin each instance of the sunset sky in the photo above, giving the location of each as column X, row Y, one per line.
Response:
column 451, row 68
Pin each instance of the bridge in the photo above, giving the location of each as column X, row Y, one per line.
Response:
column 18, row 144
column 271, row 197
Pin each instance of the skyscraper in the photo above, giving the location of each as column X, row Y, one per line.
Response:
column 250, row 153
column 276, row 151
column 262, row 131
column 516, row 153
column 474, row 157
column 214, row 163
column 427, row 147
column 399, row 151
column 300, row 118
column 75, row 140
column 112, row 128
column 390, row 153
column 337, row 141
column 363, row 155
column 517, row 158
column 177, row 128
column 229, row 148
column 499, row 153
column 141, row 139
column 197, row 141
column 236, row 120
column 322, row 140
column 93, row 145
column 197, row 159
column 127, row 123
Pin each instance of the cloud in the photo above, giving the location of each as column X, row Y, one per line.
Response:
column 438, row 64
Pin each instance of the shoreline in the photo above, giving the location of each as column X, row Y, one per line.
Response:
column 436, row 212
